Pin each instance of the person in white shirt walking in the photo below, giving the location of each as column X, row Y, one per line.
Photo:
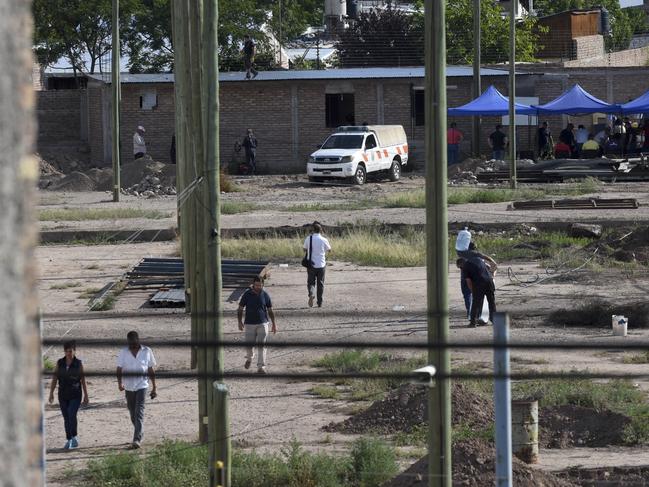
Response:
column 138, row 362
column 316, row 247
column 139, row 145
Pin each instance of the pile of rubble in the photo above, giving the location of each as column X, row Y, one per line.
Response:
column 466, row 172
column 150, row 187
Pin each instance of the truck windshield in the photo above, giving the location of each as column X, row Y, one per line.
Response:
column 343, row 142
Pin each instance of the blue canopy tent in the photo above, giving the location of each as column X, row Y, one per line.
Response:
column 491, row 102
column 639, row 105
column 577, row 101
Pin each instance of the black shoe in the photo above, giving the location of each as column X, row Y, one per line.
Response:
column 482, row 322
column 320, row 304
column 472, row 324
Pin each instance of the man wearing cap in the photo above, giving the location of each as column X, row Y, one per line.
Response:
column 139, row 145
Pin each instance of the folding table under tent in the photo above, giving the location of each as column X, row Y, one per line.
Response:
column 491, row 102
column 576, row 101
column 639, row 105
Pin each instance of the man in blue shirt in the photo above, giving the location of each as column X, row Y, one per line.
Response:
column 258, row 308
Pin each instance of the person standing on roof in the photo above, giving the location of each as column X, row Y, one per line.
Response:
column 249, row 50
column 453, row 139
column 498, row 141
column 139, row 145
column 258, row 308
column 316, row 247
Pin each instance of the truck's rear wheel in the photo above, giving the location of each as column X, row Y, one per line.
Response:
column 360, row 176
column 395, row 170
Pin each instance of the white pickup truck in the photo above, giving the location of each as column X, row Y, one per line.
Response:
column 352, row 152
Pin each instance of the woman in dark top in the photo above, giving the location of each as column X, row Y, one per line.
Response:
column 69, row 374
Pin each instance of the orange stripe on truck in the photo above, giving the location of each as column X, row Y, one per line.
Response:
column 365, row 157
column 405, row 148
column 385, row 152
column 398, row 150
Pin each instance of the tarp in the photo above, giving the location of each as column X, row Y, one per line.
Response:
column 491, row 102
column 639, row 105
column 577, row 101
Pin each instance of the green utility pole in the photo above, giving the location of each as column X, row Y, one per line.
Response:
column 218, row 418
column 477, row 85
column 439, row 403
column 512, row 94
column 117, row 100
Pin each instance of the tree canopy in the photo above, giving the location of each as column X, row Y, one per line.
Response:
column 392, row 37
column 80, row 30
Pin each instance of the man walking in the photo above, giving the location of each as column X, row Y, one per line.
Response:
column 139, row 145
column 316, row 247
column 482, row 286
column 258, row 308
column 498, row 141
column 249, row 50
column 249, row 144
column 453, row 139
column 138, row 362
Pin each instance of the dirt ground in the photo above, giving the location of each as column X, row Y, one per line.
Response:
column 360, row 304
column 273, row 194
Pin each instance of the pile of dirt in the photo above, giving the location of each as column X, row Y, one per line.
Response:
column 148, row 178
column 606, row 477
column 75, row 181
column 473, row 466
column 575, row 426
column 405, row 408
column 597, row 314
column 624, row 246
column 66, row 159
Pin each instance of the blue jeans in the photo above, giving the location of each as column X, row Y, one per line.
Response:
column 499, row 155
column 69, row 409
column 453, row 153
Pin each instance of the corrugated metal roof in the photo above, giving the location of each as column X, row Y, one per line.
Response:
column 326, row 74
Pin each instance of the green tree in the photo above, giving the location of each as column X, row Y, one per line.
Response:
column 77, row 30
column 624, row 22
column 394, row 38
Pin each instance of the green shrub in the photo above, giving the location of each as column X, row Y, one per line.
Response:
column 373, row 462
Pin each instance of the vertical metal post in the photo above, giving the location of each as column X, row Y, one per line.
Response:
column 502, row 401
column 117, row 100
column 477, row 83
column 220, row 470
column 439, row 404
column 512, row 94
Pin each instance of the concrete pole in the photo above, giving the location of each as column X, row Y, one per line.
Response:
column 477, row 84
column 117, row 102
column 512, row 94
column 502, row 402
column 20, row 360
column 439, row 403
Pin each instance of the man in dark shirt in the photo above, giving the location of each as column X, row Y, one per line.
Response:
column 498, row 141
column 567, row 136
column 249, row 50
column 258, row 308
column 249, row 144
column 482, row 286
column 545, row 141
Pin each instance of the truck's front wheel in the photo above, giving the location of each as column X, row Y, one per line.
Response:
column 360, row 176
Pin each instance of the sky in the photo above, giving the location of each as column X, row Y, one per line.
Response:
column 630, row 3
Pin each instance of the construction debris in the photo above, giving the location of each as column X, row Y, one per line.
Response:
column 585, row 230
column 576, row 204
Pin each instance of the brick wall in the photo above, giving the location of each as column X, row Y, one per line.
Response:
column 95, row 123
column 587, row 47
column 58, row 113
column 628, row 58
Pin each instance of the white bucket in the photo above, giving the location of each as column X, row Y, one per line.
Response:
column 620, row 324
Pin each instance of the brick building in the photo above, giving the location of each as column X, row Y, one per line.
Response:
column 293, row 111
column 290, row 111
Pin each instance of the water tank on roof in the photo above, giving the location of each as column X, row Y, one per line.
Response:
column 335, row 8
column 604, row 21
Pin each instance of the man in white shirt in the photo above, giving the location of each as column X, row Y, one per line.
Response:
column 138, row 362
column 316, row 247
column 139, row 145
column 581, row 137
